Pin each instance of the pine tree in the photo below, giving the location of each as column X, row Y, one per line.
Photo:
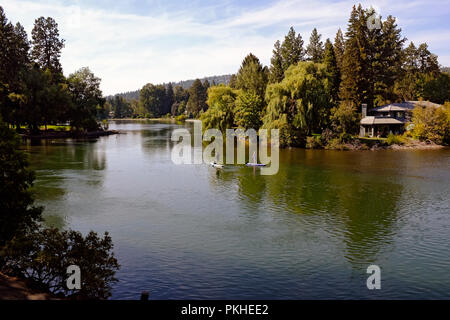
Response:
column 339, row 47
column 47, row 45
column 357, row 78
column 197, row 99
column 329, row 59
column 170, row 99
column 390, row 61
column 276, row 64
column 252, row 76
column 291, row 49
column 315, row 47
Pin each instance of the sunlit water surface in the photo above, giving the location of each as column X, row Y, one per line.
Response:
column 311, row 231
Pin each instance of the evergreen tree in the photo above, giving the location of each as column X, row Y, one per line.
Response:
column 330, row 61
column 390, row 61
column 315, row 48
column 197, row 99
column 276, row 64
column 339, row 47
column 252, row 76
column 170, row 99
column 47, row 45
column 357, row 78
column 291, row 49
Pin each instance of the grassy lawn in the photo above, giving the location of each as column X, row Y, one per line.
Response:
column 52, row 127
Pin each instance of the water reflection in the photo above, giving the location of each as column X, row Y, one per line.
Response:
column 191, row 231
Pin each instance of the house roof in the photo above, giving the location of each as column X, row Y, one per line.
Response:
column 405, row 106
column 371, row 120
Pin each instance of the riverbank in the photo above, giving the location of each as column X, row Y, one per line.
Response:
column 15, row 289
column 68, row 134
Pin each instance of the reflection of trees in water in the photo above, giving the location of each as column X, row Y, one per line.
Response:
column 55, row 159
column 358, row 207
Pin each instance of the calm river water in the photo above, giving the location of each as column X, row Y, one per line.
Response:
column 311, row 231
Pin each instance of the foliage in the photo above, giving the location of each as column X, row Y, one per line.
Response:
column 371, row 60
column 345, row 118
column 315, row 48
column 46, row 44
column 42, row 257
column 290, row 52
column 17, row 211
column 248, row 110
column 334, row 75
column 299, row 104
column 394, row 139
column 432, row 124
column 314, row 142
column 121, row 107
column 252, row 76
column 221, row 102
column 197, row 99
column 84, row 87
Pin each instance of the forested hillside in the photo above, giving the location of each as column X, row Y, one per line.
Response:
column 186, row 84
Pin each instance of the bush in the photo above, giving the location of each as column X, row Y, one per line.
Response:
column 314, row 142
column 344, row 118
column 394, row 139
column 181, row 118
column 431, row 124
column 42, row 258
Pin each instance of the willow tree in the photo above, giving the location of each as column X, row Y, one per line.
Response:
column 300, row 104
column 221, row 102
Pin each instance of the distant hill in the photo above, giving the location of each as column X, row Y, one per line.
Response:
column 445, row 69
column 186, row 84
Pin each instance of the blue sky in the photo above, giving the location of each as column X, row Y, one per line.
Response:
column 130, row 43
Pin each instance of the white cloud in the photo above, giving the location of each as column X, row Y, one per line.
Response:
column 128, row 50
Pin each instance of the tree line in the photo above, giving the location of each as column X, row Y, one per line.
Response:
column 319, row 88
column 156, row 101
column 34, row 93
column 33, row 90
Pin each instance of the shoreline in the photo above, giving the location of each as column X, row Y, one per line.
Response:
column 69, row 134
column 12, row 288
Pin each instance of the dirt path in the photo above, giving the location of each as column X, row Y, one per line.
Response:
column 15, row 289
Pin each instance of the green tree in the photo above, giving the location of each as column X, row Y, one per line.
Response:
column 356, row 73
column 252, row 76
column 42, row 258
column 339, row 47
column 300, row 104
column 84, row 87
column 153, row 100
column 197, row 99
column 276, row 64
column 344, row 118
column 221, row 102
column 432, row 123
column 17, row 210
column 47, row 45
column 330, row 61
column 248, row 110
column 315, row 48
column 291, row 49
column 14, row 62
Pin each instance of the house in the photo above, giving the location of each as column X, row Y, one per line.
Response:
column 388, row 119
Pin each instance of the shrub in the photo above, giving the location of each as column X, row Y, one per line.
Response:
column 431, row 124
column 314, row 142
column 394, row 139
column 42, row 258
column 181, row 118
column 344, row 118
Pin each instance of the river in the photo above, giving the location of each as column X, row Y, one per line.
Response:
column 308, row 232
